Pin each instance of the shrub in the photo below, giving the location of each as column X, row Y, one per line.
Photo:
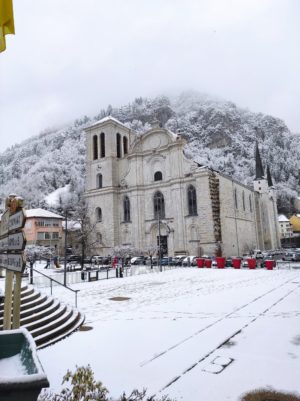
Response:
column 83, row 387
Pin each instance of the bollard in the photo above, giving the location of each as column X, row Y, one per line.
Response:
column 117, row 271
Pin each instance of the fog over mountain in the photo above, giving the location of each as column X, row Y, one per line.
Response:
column 219, row 135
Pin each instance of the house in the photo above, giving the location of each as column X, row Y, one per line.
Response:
column 43, row 228
column 142, row 190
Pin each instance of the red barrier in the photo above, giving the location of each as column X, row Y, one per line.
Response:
column 251, row 263
column 208, row 263
column 236, row 263
column 200, row 262
column 220, row 262
column 269, row 264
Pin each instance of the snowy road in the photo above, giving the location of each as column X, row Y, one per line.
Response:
column 176, row 323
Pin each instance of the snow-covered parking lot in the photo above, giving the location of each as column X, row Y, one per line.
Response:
column 195, row 334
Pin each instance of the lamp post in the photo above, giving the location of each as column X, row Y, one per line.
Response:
column 65, row 250
column 159, row 244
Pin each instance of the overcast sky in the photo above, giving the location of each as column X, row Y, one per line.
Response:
column 73, row 57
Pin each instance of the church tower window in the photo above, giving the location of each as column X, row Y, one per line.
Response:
column 99, row 181
column 126, row 207
column 159, row 205
column 250, row 203
column 158, row 176
column 192, row 200
column 125, row 145
column 102, row 144
column 118, row 145
column 235, row 199
column 95, row 147
column 243, row 199
column 98, row 214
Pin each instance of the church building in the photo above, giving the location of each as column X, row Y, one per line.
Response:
column 142, row 191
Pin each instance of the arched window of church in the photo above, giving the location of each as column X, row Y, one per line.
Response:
column 235, row 199
column 125, row 145
column 99, row 238
column 250, row 203
column 95, row 147
column 126, row 207
column 158, row 176
column 118, row 145
column 99, row 181
column 192, row 200
column 159, row 205
column 102, row 144
column 243, row 199
column 98, row 214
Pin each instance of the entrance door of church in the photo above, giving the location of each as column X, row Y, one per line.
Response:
column 163, row 244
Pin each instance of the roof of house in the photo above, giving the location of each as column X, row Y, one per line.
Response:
column 42, row 213
column 282, row 218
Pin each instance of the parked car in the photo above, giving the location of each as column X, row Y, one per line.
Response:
column 189, row 261
column 165, row 261
column 178, row 260
column 291, row 256
column 137, row 260
column 245, row 263
column 228, row 262
column 257, row 254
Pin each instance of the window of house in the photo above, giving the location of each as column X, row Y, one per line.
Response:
column 95, row 147
column 98, row 214
column 118, row 145
column 99, row 181
column 243, row 199
column 102, row 144
column 250, row 203
column 99, row 237
column 158, row 176
column 192, row 200
column 126, row 206
column 159, row 205
column 125, row 145
column 55, row 236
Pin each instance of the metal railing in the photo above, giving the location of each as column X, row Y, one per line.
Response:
column 31, row 269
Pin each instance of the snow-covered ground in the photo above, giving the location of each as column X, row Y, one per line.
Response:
column 195, row 334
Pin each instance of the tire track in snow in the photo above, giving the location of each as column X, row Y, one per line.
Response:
column 196, row 333
column 175, row 379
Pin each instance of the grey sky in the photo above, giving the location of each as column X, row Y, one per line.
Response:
column 74, row 57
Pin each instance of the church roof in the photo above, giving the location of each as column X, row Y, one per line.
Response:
column 269, row 177
column 107, row 119
column 259, row 171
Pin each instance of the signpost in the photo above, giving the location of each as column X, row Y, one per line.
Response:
column 12, row 244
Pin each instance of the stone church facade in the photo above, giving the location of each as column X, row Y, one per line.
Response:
column 142, row 190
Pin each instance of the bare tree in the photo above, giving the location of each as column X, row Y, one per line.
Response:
column 151, row 250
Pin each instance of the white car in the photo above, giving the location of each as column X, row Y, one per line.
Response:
column 189, row 261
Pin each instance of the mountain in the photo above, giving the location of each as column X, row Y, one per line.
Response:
column 219, row 134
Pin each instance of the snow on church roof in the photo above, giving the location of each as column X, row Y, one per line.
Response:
column 105, row 119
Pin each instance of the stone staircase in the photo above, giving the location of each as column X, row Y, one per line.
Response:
column 46, row 318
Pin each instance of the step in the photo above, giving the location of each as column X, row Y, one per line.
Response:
column 49, row 309
column 60, row 332
column 46, row 320
column 53, row 324
column 43, row 342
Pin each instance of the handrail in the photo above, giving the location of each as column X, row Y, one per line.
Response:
column 31, row 269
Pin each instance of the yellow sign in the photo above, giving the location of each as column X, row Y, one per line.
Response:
column 7, row 25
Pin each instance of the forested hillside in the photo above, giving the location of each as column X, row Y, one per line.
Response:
column 219, row 135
